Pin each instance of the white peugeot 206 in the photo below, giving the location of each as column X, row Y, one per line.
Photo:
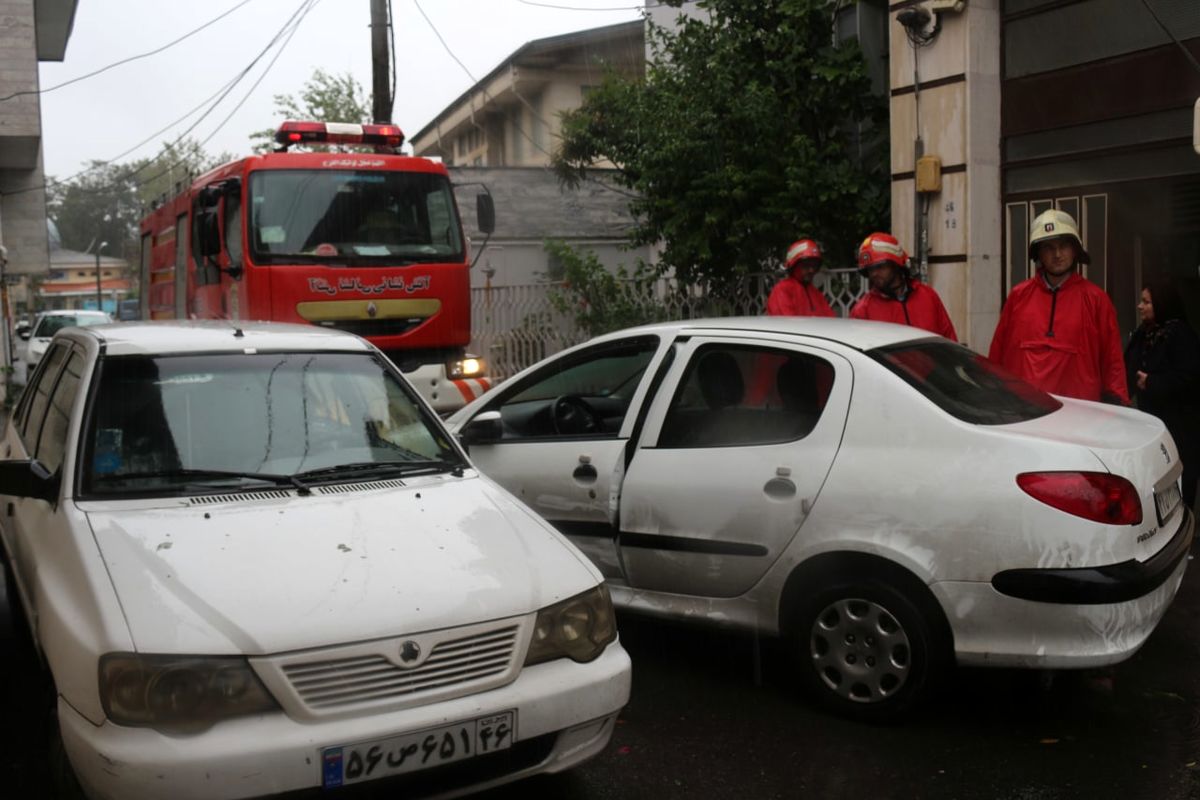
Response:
column 254, row 562
column 888, row 501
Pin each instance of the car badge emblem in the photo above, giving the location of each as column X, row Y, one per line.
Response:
column 372, row 310
column 410, row 651
column 1166, row 455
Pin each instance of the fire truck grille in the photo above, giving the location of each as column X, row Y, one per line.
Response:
column 373, row 327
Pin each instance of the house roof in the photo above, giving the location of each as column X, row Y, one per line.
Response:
column 545, row 52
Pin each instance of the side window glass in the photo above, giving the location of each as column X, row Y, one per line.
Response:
column 586, row 396
column 52, row 444
column 38, row 396
column 735, row 395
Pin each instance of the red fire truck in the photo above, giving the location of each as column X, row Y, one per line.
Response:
column 369, row 243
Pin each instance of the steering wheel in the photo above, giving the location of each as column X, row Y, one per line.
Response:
column 572, row 415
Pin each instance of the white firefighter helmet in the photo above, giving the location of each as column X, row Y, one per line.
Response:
column 1055, row 224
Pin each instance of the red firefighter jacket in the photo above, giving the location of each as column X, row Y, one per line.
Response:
column 791, row 298
column 921, row 308
column 1063, row 341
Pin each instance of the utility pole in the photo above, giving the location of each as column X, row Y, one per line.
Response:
column 381, row 93
column 99, row 297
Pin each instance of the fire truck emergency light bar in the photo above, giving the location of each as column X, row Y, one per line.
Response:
column 292, row 132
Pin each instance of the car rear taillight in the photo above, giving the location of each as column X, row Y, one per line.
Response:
column 1098, row 496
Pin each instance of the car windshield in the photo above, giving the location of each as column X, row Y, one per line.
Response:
column 965, row 384
column 196, row 423
column 53, row 323
column 364, row 216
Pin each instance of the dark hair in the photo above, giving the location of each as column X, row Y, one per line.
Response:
column 1167, row 302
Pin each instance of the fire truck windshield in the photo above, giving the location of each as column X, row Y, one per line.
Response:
column 359, row 216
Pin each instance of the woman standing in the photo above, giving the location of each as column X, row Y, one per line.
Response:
column 1162, row 363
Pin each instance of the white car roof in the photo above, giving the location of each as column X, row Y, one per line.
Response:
column 859, row 334
column 213, row 336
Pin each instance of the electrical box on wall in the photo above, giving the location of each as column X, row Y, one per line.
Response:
column 929, row 174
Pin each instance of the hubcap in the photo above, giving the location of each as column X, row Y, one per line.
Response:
column 860, row 651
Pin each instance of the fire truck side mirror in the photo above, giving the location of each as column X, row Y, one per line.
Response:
column 485, row 213
column 210, row 232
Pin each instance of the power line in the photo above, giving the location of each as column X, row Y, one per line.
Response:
column 581, row 8
column 156, row 51
column 1167, row 31
column 292, row 23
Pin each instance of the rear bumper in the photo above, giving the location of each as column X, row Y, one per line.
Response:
column 992, row 628
column 1114, row 583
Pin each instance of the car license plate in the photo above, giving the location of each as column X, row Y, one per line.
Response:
column 1166, row 501
column 413, row 751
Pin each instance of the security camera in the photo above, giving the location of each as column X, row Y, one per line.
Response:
column 914, row 18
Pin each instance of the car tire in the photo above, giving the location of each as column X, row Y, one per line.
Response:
column 867, row 649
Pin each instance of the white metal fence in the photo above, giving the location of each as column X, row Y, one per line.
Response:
column 515, row 326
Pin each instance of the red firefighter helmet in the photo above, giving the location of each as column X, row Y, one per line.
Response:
column 878, row 248
column 803, row 250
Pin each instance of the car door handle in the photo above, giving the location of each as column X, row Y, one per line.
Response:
column 585, row 473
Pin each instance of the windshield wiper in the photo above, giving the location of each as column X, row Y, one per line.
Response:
column 184, row 472
column 397, row 467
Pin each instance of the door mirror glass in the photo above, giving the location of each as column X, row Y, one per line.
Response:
column 210, row 232
column 485, row 213
column 486, row 427
column 28, row 479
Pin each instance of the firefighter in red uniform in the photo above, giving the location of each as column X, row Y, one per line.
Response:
column 795, row 295
column 1058, row 330
column 896, row 296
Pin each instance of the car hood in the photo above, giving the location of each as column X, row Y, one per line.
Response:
column 272, row 575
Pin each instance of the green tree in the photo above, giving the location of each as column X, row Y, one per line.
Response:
column 107, row 201
column 742, row 137
column 324, row 98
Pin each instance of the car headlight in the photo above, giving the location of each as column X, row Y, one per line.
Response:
column 179, row 694
column 470, row 367
column 579, row 628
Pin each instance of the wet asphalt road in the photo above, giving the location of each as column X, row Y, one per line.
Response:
column 709, row 719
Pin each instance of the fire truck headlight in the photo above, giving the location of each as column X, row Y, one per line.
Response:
column 469, row 367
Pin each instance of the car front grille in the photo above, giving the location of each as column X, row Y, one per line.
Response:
column 375, row 675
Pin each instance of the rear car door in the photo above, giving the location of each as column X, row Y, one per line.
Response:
column 737, row 446
column 566, row 428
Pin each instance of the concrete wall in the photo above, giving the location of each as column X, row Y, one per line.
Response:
column 955, row 109
column 23, row 207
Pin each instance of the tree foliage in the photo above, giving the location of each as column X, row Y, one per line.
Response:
column 107, row 201
column 742, row 137
column 324, row 98
column 598, row 300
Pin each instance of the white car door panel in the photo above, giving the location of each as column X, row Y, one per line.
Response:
column 710, row 517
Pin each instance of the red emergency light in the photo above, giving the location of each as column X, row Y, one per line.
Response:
column 294, row 132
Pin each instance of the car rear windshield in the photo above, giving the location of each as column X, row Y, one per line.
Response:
column 965, row 384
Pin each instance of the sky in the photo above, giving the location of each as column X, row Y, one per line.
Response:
column 100, row 117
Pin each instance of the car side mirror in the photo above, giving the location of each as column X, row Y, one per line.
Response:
column 484, row 428
column 210, row 233
column 25, row 333
column 28, row 478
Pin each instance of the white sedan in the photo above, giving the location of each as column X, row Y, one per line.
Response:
column 255, row 563
column 48, row 323
column 889, row 501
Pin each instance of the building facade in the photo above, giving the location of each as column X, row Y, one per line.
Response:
column 1083, row 105
column 510, row 118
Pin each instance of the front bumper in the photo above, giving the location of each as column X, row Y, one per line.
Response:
column 445, row 394
column 565, row 715
column 1080, row 624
